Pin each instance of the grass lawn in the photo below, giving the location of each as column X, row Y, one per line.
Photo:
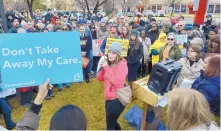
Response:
column 89, row 97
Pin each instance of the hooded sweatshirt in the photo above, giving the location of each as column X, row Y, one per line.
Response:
column 156, row 47
column 113, row 78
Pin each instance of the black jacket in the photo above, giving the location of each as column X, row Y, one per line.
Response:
column 153, row 35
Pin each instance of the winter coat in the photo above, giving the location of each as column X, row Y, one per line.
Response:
column 213, row 126
column 210, row 88
column 134, row 54
column 168, row 30
column 153, row 35
column 48, row 17
column 156, row 47
column 146, row 49
column 29, row 121
column 174, row 53
column 113, row 78
column 13, row 30
column 88, row 47
column 189, row 72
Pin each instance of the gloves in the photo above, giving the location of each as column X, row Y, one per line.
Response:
column 154, row 52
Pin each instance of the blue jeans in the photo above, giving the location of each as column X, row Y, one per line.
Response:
column 90, row 64
column 5, row 109
column 113, row 110
column 60, row 86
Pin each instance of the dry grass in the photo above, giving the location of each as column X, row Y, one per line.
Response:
column 89, row 97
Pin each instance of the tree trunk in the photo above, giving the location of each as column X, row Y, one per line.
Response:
column 31, row 11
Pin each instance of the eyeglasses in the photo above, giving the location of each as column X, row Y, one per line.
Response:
column 170, row 39
column 154, row 26
column 64, row 29
column 180, row 25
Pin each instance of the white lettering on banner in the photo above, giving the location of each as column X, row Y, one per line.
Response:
column 47, row 50
column 25, row 64
column 61, row 61
column 45, row 62
column 7, row 52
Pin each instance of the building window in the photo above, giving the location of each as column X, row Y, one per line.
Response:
column 183, row 8
column 217, row 9
column 210, row 9
column 177, row 9
column 154, row 8
column 159, row 7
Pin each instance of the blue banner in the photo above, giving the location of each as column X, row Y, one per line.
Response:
column 29, row 59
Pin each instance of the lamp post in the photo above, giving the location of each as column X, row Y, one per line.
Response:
column 2, row 14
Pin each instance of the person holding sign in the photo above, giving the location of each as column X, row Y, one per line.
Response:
column 68, row 117
column 86, row 47
column 170, row 50
column 112, row 34
column 113, row 74
column 135, row 53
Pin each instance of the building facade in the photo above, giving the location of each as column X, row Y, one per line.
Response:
column 183, row 7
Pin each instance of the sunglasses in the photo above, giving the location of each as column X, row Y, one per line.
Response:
column 180, row 25
column 64, row 29
column 154, row 26
column 170, row 39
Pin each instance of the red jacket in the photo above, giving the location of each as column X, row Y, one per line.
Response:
column 53, row 20
column 114, row 78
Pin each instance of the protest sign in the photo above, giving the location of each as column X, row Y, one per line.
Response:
column 29, row 59
column 96, row 44
column 124, row 44
column 181, row 39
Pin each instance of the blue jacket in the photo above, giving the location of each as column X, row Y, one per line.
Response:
column 88, row 47
column 210, row 88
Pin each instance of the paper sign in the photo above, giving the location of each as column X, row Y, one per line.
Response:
column 96, row 44
column 29, row 59
column 85, row 61
column 186, row 83
column 83, row 42
column 124, row 44
column 181, row 39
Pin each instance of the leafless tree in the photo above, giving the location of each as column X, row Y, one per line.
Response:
column 128, row 4
column 30, row 6
column 82, row 5
column 95, row 4
column 173, row 4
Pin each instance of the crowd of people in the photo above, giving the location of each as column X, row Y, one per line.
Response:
column 150, row 41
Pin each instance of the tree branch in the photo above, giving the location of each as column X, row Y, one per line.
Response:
column 102, row 3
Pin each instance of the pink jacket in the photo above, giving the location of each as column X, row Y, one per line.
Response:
column 114, row 78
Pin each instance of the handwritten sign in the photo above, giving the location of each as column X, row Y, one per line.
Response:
column 96, row 44
column 124, row 44
column 29, row 59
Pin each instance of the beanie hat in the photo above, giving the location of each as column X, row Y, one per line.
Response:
column 134, row 32
column 152, row 20
column 82, row 21
column 134, row 26
column 115, row 47
column 196, row 25
column 69, row 117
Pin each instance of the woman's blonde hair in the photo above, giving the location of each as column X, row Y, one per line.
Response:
column 187, row 108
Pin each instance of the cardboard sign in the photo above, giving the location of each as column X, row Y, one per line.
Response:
column 85, row 61
column 181, row 39
column 96, row 44
column 29, row 59
column 124, row 43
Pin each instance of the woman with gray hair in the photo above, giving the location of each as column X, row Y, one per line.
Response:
column 170, row 50
column 199, row 42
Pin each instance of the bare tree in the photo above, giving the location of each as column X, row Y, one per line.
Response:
column 30, row 6
column 172, row 4
column 128, row 4
column 95, row 4
column 82, row 5
column 109, row 7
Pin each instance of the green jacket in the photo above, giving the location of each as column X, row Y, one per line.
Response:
column 174, row 53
